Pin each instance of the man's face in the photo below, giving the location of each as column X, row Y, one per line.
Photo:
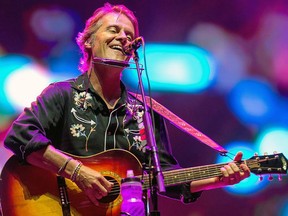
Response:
column 114, row 32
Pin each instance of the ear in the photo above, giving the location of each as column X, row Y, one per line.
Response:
column 87, row 44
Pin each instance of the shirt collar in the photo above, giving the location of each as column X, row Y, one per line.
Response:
column 82, row 83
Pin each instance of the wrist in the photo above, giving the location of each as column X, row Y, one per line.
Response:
column 72, row 168
column 205, row 184
column 63, row 167
column 74, row 175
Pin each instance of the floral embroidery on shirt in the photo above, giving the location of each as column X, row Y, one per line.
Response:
column 134, row 109
column 78, row 130
column 82, row 100
column 139, row 137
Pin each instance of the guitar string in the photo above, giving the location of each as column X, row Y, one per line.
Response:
column 170, row 176
column 175, row 176
column 199, row 175
column 178, row 176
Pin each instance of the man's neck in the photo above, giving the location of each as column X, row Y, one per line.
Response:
column 106, row 82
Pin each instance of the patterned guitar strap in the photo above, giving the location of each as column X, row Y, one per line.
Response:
column 180, row 123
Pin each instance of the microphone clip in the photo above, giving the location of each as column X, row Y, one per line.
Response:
column 133, row 46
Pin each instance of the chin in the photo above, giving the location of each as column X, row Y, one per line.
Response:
column 120, row 59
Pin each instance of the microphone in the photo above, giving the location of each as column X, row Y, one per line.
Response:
column 132, row 46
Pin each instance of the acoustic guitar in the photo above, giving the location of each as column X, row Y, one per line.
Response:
column 31, row 191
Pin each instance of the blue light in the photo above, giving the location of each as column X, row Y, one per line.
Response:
column 9, row 63
column 284, row 210
column 281, row 117
column 18, row 85
column 253, row 101
column 52, row 24
column 251, row 185
column 273, row 139
column 175, row 68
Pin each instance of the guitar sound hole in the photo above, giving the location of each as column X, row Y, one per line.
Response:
column 114, row 193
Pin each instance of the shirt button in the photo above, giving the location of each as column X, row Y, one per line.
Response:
column 109, row 133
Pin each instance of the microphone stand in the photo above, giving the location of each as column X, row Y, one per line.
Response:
column 157, row 173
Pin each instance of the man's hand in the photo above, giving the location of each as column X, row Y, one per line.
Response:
column 232, row 174
column 93, row 184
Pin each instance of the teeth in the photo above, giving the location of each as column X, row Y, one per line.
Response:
column 117, row 47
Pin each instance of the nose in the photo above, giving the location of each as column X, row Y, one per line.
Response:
column 122, row 37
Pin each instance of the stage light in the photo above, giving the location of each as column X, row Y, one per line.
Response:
column 249, row 186
column 274, row 139
column 284, row 209
column 175, row 68
column 9, row 63
column 21, row 81
column 52, row 24
column 253, row 101
column 25, row 84
column 65, row 64
column 232, row 57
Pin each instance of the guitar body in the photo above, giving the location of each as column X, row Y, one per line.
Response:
column 33, row 191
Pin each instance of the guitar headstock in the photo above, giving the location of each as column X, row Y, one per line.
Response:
column 268, row 164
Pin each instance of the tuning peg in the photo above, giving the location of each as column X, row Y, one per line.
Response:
column 256, row 156
column 265, row 153
column 260, row 178
column 270, row 178
column 275, row 152
column 279, row 177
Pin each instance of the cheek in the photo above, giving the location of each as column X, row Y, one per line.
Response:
column 97, row 47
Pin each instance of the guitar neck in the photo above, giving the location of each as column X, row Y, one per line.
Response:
column 179, row 176
column 267, row 164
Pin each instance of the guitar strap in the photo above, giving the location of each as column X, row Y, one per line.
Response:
column 180, row 123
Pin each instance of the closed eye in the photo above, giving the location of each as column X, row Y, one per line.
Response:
column 129, row 38
column 112, row 29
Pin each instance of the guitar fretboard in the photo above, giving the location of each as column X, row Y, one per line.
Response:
column 179, row 176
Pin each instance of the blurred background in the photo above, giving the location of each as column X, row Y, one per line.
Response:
column 220, row 65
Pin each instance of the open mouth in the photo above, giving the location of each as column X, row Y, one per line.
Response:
column 117, row 47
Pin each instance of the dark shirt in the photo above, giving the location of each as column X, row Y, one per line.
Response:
column 72, row 117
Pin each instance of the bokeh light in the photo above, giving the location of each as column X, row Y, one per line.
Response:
column 227, row 48
column 175, row 68
column 21, row 81
column 30, row 80
column 284, row 208
column 273, row 139
column 52, row 24
column 253, row 102
column 8, row 64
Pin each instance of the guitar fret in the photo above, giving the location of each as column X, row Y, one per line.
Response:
column 191, row 174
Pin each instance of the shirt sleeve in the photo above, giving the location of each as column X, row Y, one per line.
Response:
column 28, row 132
